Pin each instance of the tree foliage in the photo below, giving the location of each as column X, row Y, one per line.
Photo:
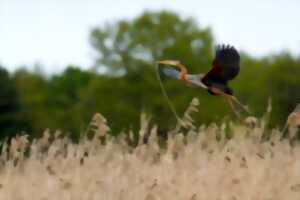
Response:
column 10, row 118
column 131, row 46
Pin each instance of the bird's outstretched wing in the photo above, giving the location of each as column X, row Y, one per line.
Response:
column 225, row 66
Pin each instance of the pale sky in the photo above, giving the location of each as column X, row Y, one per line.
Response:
column 55, row 33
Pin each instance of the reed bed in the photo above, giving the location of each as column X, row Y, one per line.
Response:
column 231, row 161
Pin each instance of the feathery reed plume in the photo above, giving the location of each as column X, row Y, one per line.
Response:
column 187, row 118
column 187, row 121
column 292, row 122
column 98, row 126
column 294, row 118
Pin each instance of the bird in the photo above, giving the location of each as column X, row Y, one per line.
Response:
column 225, row 67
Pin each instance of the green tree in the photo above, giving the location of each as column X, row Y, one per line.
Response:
column 64, row 99
column 9, row 106
column 129, row 49
column 32, row 92
column 126, row 45
column 53, row 102
column 282, row 84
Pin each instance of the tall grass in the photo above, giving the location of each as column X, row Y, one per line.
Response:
column 230, row 161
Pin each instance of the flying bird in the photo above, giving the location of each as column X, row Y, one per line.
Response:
column 225, row 67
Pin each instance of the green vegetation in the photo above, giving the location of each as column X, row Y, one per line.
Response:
column 126, row 51
column 10, row 118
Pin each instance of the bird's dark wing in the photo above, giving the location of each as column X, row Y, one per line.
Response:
column 226, row 65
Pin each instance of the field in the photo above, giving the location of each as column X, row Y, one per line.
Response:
column 229, row 161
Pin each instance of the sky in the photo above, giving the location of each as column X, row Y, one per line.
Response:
column 55, row 33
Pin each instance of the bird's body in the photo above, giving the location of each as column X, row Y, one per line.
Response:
column 225, row 67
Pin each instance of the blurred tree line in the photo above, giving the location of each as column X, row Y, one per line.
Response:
column 122, row 83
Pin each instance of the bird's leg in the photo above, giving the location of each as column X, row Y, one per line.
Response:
column 231, row 99
column 230, row 102
column 240, row 104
